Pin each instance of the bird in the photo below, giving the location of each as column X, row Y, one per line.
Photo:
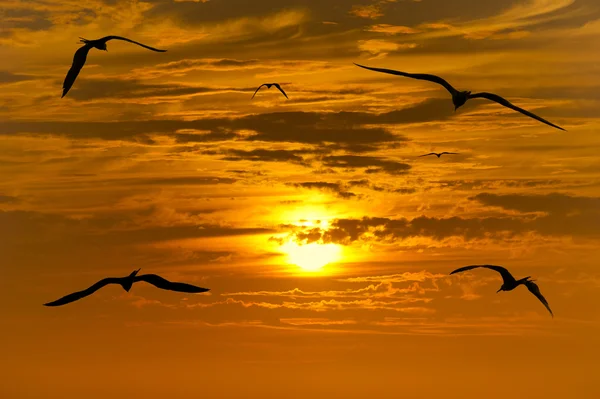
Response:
column 126, row 283
column 82, row 52
column 269, row 86
column 438, row 154
column 510, row 283
column 461, row 97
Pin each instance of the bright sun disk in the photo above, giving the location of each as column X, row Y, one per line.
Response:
column 311, row 257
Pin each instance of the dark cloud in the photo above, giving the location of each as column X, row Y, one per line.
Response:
column 206, row 137
column 375, row 164
column 491, row 184
column 8, row 77
column 8, row 199
column 343, row 128
column 366, row 184
column 23, row 227
column 554, row 203
column 336, row 188
column 87, row 183
column 265, row 155
column 566, row 216
column 87, row 89
column 21, row 18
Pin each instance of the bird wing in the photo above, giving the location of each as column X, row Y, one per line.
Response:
column 107, row 38
column 81, row 294
column 448, row 153
column 431, row 153
column 535, row 290
column 164, row 284
column 78, row 63
column 508, row 104
column 506, row 276
column 281, row 90
column 420, row 76
column 264, row 84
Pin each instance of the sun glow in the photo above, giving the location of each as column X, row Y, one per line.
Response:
column 311, row 257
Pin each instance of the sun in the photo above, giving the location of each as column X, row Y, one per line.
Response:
column 311, row 257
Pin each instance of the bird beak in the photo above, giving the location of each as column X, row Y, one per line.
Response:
column 499, row 290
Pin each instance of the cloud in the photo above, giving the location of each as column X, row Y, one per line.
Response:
column 371, row 11
column 494, row 184
column 314, row 321
column 8, row 199
column 392, row 29
column 508, row 24
column 342, row 128
column 584, row 223
column 375, row 164
column 382, row 47
column 173, row 22
column 9, row 77
column 396, row 278
column 188, row 65
column 265, row 155
column 383, row 289
column 328, row 305
column 91, row 89
column 336, row 188
column 554, row 203
column 45, row 229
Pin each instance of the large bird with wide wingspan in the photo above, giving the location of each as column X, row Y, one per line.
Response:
column 510, row 283
column 461, row 97
column 81, row 56
column 126, row 283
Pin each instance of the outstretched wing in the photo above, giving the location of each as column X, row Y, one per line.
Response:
column 448, row 153
column 164, row 284
column 81, row 294
column 431, row 153
column 107, row 38
column 78, row 63
column 508, row 104
column 506, row 276
column 281, row 90
column 535, row 290
column 264, row 84
column 420, row 76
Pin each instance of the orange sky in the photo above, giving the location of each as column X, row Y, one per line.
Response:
column 161, row 161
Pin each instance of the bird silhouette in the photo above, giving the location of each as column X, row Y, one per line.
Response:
column 269, row 86
column 438, row 154
column 126, row 283
column 81, row 56
column 509, row 282
column 461, row 97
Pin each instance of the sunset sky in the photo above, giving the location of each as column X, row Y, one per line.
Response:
column 326, row 242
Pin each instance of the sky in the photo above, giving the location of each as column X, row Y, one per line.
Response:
column 325, row 240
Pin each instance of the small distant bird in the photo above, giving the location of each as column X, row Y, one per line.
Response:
column 438, row 154
column 126, row 283
column 461, row 97
column 269, row 86
column 510, row 283
column 81, row 55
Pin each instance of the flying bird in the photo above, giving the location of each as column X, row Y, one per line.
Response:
column 461, row 97
column 510, row 283
column 81, row 55
column 126, row 283
column 438, row 154
column 269, row 86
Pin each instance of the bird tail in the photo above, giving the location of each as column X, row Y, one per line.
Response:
column 525, row 280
